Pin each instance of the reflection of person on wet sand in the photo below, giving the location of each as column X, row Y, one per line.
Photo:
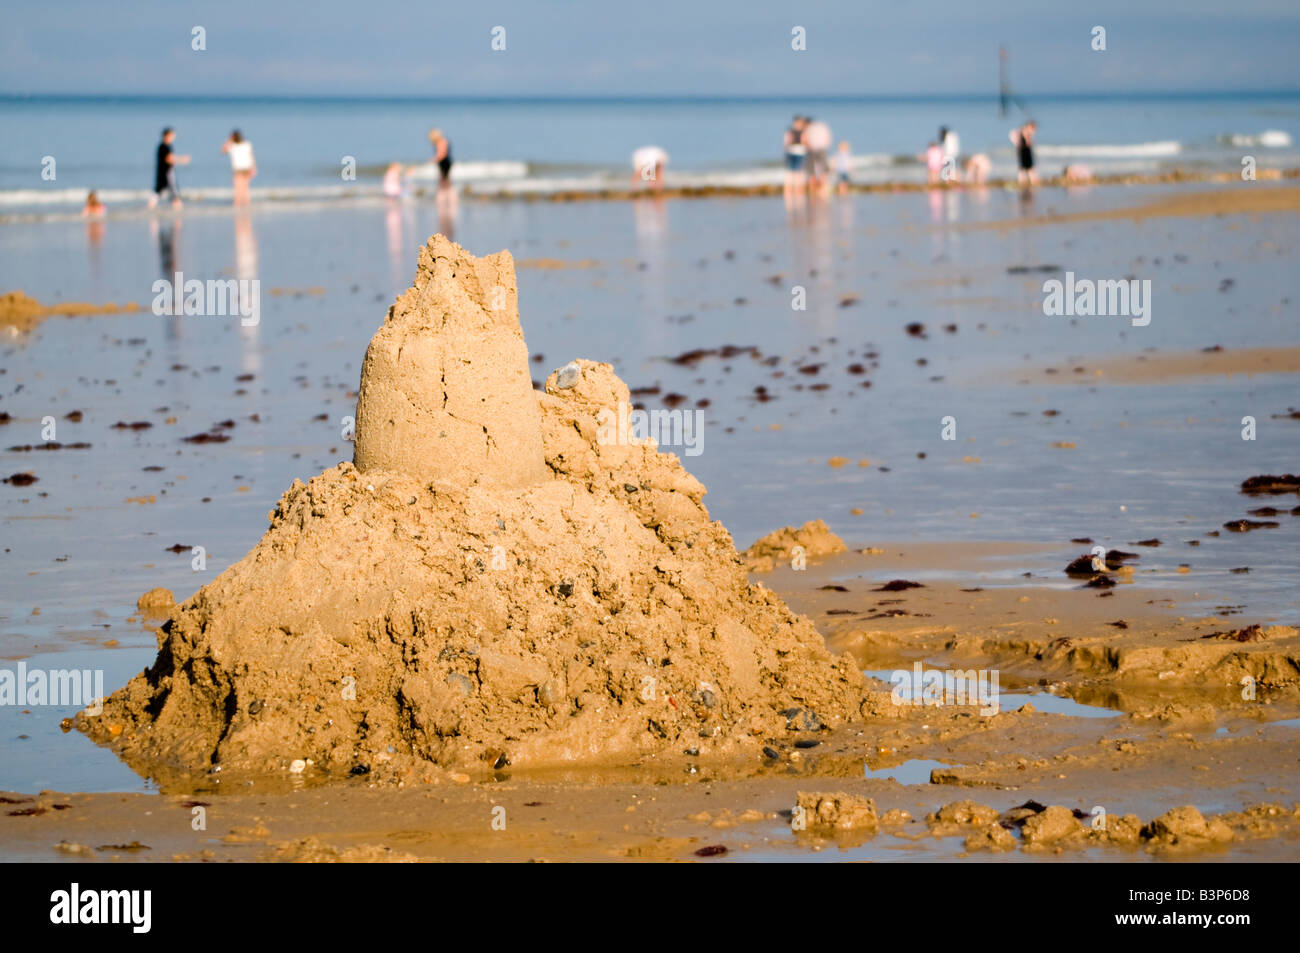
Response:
column 166, row 235
column 246, row 270
column 648, row 165
column 245, row 247
column 795, row 154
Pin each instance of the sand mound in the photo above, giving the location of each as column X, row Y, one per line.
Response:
column 811, row 540
column 21, row 313
column 456, row 604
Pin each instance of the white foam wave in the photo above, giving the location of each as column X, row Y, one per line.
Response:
column 485, row 170
column 1269, row 139
column 1166, row 147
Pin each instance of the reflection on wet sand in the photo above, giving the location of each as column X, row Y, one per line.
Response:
column 447, row 203
column 164, row 232
column 246, row 270
column 651, row 224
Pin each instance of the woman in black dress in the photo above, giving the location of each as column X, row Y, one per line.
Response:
column 1023, row 140
column 441, row 155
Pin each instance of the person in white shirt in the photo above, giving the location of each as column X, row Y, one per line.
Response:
column 951, row 152
column 242, row 165
column 648, row 164
column 817, row 137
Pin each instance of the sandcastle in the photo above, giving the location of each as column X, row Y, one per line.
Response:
column 488, row 583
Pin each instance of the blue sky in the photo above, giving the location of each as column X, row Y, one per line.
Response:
column 661, row 47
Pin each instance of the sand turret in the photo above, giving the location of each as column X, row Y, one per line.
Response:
column 446, row 395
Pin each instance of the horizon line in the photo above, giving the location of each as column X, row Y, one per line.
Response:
column 634, row 98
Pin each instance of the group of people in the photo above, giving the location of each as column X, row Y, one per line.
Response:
column 807, row 153
column 396, row 174
column 941, row 157
column 808, row 164
column 941, row 160
column 243, row 168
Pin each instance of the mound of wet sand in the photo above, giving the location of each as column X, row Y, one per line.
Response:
column 19, row 311
column 487, row 584
column 811, row 540
column 22, row 313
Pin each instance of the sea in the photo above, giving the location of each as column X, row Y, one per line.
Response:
column 56, row 148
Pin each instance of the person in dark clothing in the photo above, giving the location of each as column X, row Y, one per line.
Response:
column 1023, row 140
column 796, row 152
column 441, row 155
column 164, row 177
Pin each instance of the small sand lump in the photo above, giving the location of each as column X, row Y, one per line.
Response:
column 811, row 540
column 156, row 601
column 837, row 812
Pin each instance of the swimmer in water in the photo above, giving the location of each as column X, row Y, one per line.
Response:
column 94, row 208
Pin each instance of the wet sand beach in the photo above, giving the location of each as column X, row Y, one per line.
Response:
column 923, row 315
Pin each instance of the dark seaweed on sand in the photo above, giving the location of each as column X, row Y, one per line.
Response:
column 693, row 357
column 1082, row 566
column 1267, row 483
column 1245, row 526
column 898, row 585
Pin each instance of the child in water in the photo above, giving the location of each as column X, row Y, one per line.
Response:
column 94, row 208
column 393, row 181
column 934, row 162
column 843, row 163
column 1076, row 174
